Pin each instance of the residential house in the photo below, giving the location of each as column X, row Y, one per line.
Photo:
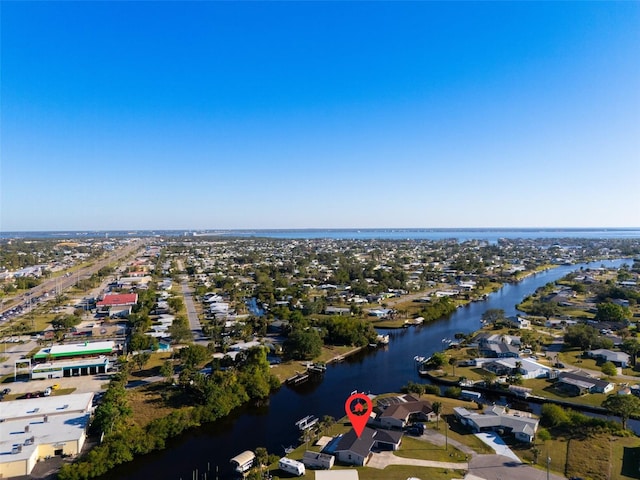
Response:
column 330, row 310
column 398, row 415
column 519, row 322
column 579, row 384
column 354, row 450
column 498, row 346
column 511, row 366
column 496, row 418
column 619, row 359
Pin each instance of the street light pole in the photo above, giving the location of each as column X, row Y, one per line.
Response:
column 548, row 462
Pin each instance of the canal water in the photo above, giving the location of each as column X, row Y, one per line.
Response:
column 376, row 371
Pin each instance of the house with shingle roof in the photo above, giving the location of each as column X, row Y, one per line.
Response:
column 580, row 383
column 619, row 359
column 354, row 450
column 399, row 413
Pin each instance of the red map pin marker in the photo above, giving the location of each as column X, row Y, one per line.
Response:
column 358, row 407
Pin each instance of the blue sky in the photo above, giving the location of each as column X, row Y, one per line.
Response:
column 145, row 115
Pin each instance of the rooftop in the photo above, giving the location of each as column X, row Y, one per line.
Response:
column 85, row 348
column 47, row 420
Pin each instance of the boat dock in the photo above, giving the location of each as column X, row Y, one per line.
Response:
column 313, row 370
column 307, row 422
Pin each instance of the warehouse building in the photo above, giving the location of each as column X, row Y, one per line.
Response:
column 39, row 428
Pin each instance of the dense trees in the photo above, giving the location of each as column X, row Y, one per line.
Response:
column 303, row 344
column 622, row 406
column 65, row 322
column 214, row 397
column 609, row 369
column 553, row 415
column 545, row 309
column 611, row 312
column 179, row 329
column 348, row 331
column 632, row 347
column 493, row 315
column 586, row 337
column 440, row 308
column 193, row 355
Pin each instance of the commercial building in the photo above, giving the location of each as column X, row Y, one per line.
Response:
column 38, row 428
column 71, row 368
column 76, row 350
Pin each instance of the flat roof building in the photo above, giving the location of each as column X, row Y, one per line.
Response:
column 70, row 350
column 118, row 300
column 70, row 368
column 41, row 427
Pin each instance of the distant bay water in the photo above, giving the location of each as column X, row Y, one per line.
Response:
column 459, row 234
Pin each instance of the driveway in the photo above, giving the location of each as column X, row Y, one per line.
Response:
column 494, row 441
column 383, row 459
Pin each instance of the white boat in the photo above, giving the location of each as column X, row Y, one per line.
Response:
column 307, row 422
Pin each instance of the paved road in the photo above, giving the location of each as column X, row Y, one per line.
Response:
column 192, row 314
column 64, row 283
column 497, row 467
column 481, row 467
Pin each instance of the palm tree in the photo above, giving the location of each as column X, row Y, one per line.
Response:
column 437, row 408
column 452, row 362
column 327, row 422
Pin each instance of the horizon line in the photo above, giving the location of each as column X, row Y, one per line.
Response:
column 262, row 229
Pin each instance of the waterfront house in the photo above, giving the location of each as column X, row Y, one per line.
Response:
column 498, row 346
column 496, row 418
column 354, row 450
column 398, row 415
column 519, row 322
column 511, row 366
column 579, row 384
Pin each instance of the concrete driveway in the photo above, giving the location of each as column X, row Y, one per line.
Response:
column 494, row 441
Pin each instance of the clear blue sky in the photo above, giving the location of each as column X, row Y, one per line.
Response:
column 147, row 115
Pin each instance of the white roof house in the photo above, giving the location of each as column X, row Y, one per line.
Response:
column 527, row 368
column 522, row 426
column 621, row 359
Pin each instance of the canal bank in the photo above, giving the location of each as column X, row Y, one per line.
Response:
column 272, row 425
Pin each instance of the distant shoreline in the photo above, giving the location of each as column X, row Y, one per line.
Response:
column 461, row 234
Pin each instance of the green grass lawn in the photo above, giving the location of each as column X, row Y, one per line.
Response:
column 599, row 457
column 414, row 448
column 288, row 369
column 410, row 448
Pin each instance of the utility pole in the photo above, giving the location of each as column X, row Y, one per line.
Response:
column 548, row 463
column 446, row 436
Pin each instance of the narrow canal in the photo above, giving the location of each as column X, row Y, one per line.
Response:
column 376, row 371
